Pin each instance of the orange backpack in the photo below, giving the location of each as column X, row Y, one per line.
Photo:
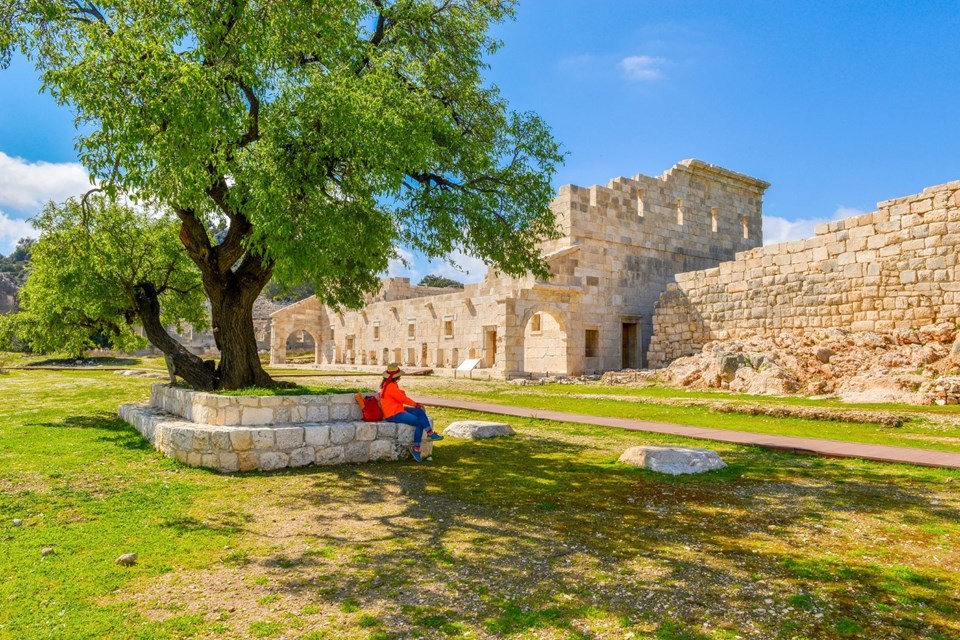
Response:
column 370, row 406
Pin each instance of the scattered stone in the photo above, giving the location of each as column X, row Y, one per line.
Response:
column 17, row 522
column 673, row 460
column 477, row 429
column 46, row 551
column 824, row 354
column 127, row 559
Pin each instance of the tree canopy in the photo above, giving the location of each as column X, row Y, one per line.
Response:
column 318, row 136
column 434, row 280
column 96, row 271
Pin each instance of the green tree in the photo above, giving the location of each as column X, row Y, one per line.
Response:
column 100, row 270
column 317, row 135
column 433, row 280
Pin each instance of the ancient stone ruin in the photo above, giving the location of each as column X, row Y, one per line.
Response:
column 621, row 245
column 866, row 309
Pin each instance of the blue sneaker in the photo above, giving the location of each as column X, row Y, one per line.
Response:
column 435, row 436
column 416, row 455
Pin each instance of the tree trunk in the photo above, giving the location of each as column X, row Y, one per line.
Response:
column 186, row 365
column 239, row 360
column 232, row 278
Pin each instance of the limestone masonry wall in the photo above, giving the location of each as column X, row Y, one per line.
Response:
column 896, row 268
column 243, row 433
column 619, row 247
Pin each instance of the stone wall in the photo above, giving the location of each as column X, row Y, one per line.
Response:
column 894, row 269
column 244, row 433
column 619, row 247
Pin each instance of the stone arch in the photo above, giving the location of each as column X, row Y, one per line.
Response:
column 301, row 341
column 545, row 348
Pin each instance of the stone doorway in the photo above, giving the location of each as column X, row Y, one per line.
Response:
column 630, row 345
column 490, row 347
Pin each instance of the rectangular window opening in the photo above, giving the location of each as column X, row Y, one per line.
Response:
column 639, row 203
column 591, row 343
column 448, row 327
column 680, row 211
column 411, row 329
column 746, row 229
column 376, row 331
column 713, row 219
column 535, row 323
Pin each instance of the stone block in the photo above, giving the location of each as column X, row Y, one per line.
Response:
column 318, row 412
column 256, row 416
column 248, row 460
column 366, row 431
column 241, row 439
column 386, row 430
column 382, row 450
column 329, row 455
column 201, row 440
column 263, row 439
column 316, row 435
column 272, row 460
column 673, row 460
column 210, row 461
column 357, row 451
column 477, row 429
column 342, row 433
column 181, row 439
column 302, row 456
column 220, row 440
column 228, row 462
column 288, row 437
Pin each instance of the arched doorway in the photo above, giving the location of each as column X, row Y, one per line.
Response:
column 301, row 347
column 544, row 343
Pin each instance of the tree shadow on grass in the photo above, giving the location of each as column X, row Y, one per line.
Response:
column 118, row 432
column 537, row 532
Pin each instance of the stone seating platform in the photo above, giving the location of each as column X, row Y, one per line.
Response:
column 246, row 433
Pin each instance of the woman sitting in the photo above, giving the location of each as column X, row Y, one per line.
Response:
column 398, row 407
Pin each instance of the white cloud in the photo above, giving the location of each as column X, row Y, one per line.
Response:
column 777, row 229
column 11, row 230
column 26, row 186
column 461, row 267
column 403, row 266
column 642, row 68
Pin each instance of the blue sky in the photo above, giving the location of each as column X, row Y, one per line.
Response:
column 838, row 104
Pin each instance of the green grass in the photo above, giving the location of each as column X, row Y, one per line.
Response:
column 913, row 433
column 544, row 535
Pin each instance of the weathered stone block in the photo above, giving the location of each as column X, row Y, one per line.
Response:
column 342, row 433
column 256, row 416
column 228, row 462
column 316, row 435
column 330, row 455
column 264, row 440
column 673, row 460
column 366, row 431
column 272, row 460
column 288, row 437
column 302, row 456
column 476, row 429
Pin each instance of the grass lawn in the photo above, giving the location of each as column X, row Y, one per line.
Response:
column 926, row 429
column 543, row 535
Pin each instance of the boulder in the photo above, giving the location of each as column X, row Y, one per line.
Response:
column 673, row 460
column 475, row 429
column 824, row 354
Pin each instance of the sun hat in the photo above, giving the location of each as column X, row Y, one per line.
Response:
column 393, row 371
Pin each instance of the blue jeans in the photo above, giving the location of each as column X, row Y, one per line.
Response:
column 415, row 417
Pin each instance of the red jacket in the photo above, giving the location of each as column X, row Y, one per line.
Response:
column 394, row 400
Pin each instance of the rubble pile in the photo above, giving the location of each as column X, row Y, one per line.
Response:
column 902, row 366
